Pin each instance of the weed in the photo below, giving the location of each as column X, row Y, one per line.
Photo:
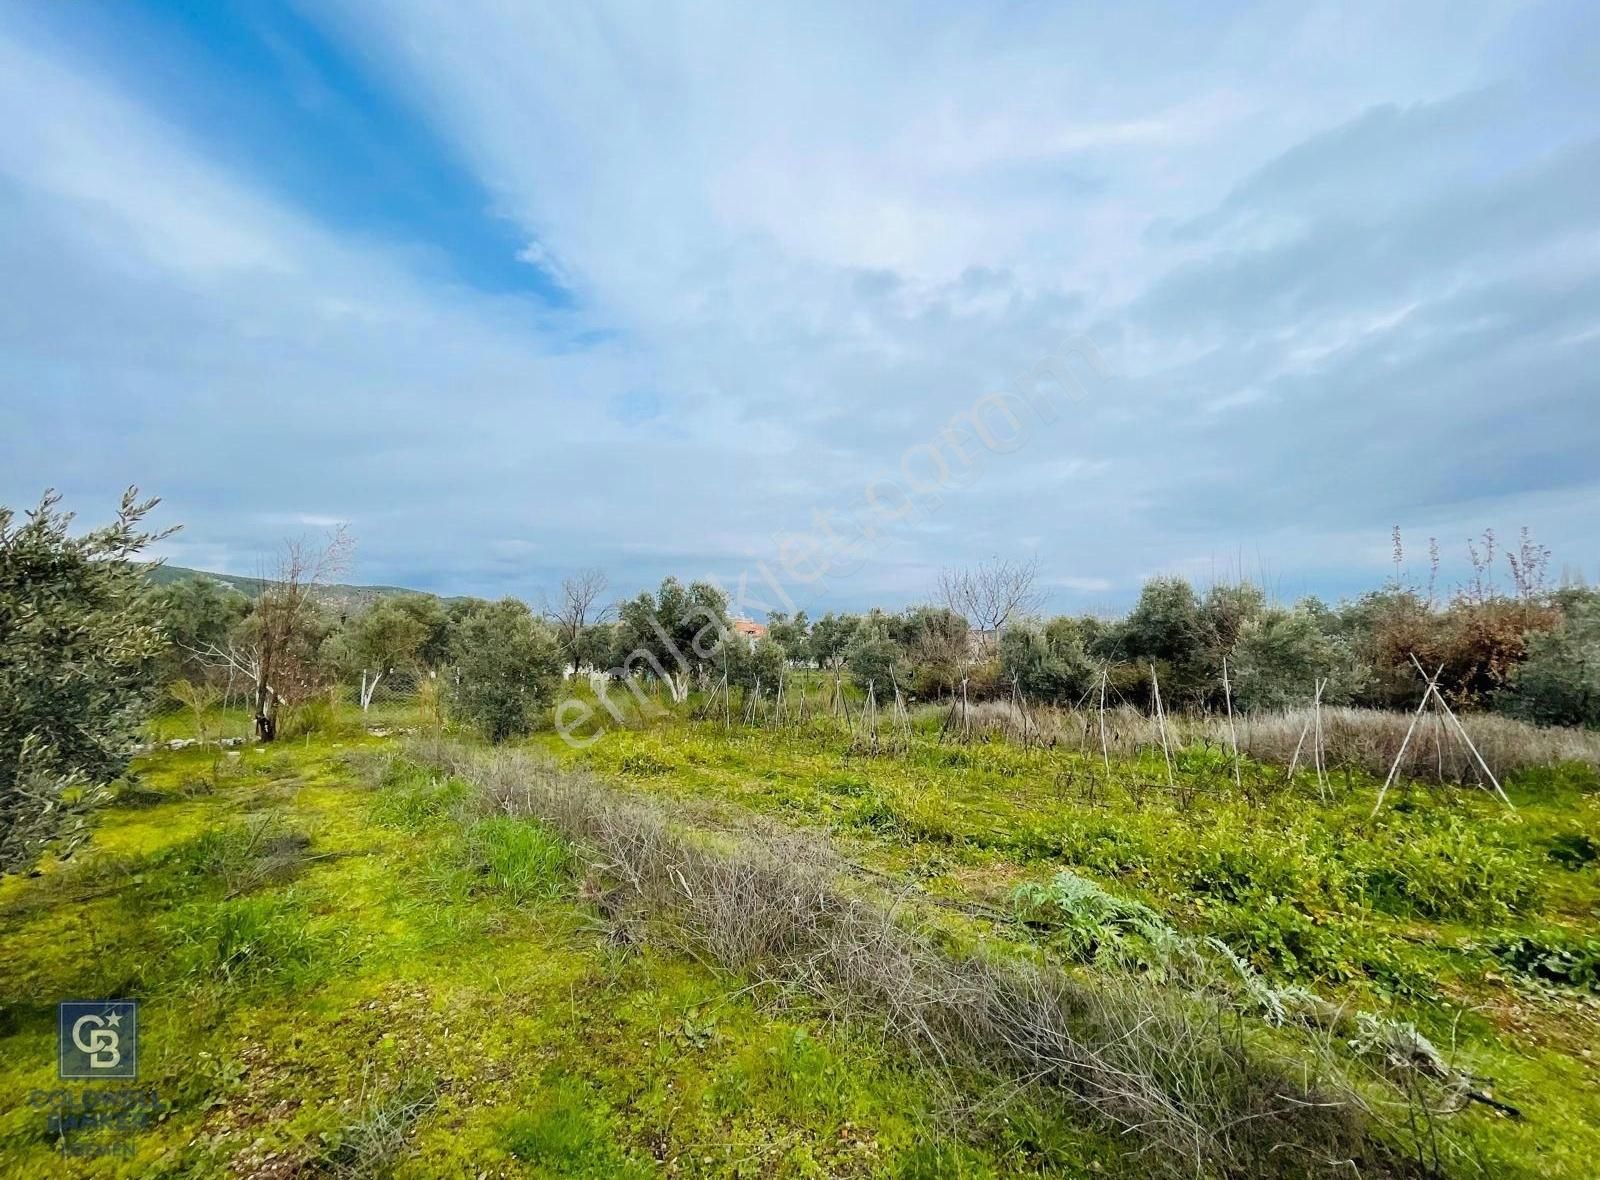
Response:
column 1560, row 958
column 1156, row 1063
column 239, row 857
column 412, row 802
column 247, row 942
column 1091, row 925
column 561, row 1132
column 375, row 1139
column 517, row 858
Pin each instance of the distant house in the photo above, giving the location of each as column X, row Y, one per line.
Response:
column 750, row 630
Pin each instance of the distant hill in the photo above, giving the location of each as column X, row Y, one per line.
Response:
column 335, row 594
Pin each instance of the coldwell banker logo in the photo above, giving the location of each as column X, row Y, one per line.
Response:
column 98, row 1038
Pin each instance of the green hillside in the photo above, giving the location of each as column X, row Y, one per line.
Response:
column 334, row 593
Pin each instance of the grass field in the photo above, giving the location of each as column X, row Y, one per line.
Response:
column 349, row 966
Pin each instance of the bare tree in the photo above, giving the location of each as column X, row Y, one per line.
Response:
column 579, row 594
column 990, row 595
column 270, row 649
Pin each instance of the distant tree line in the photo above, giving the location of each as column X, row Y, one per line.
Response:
column 87, row 644
column 1523, row 647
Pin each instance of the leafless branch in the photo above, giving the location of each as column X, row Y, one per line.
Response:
column 991, row 594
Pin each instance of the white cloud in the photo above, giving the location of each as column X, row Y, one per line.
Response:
column 804, row 242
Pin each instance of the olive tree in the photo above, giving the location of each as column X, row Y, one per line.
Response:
column 756, row 667
column 78, row 655
column 1049, row 663
column 400, row 635
column 508, row 664
column 678, row 630
column 1559, row 683
column 196, row 614
column 830, row 639
column 1280, row 656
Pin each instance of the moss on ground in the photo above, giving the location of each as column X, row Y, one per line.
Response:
column 341, row 981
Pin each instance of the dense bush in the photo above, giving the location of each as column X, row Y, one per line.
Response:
column 1279, row 657
column 1049, row 663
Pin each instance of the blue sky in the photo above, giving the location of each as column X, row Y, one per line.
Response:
column 515, row 289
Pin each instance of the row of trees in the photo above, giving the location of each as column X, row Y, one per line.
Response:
column 1523, row 647
column 1528, row 649
column 497, row 663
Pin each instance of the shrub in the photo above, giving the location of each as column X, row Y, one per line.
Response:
column 1049, row 663
column 1552, row 957
column 1091, row 925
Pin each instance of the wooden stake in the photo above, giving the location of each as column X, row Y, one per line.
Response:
column 1104, row 751
column 1295, row 761
column 1233, row 734
column 1161, row 719
column 1405, row 741
column 1322, row 782
column 1462, row 730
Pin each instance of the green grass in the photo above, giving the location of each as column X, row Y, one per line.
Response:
column 1445, row 910
column 349, row 981
column 359, row 981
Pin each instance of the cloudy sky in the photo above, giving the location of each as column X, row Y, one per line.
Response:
column 515, row 288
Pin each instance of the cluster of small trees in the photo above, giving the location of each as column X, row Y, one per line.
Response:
column 496, row 663
column 1527, row 649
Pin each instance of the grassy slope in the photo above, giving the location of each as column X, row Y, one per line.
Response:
column 411, row 989
column 1404, row 914
column 436, row 989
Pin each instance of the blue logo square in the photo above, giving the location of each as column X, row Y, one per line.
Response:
column 98, row 1038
